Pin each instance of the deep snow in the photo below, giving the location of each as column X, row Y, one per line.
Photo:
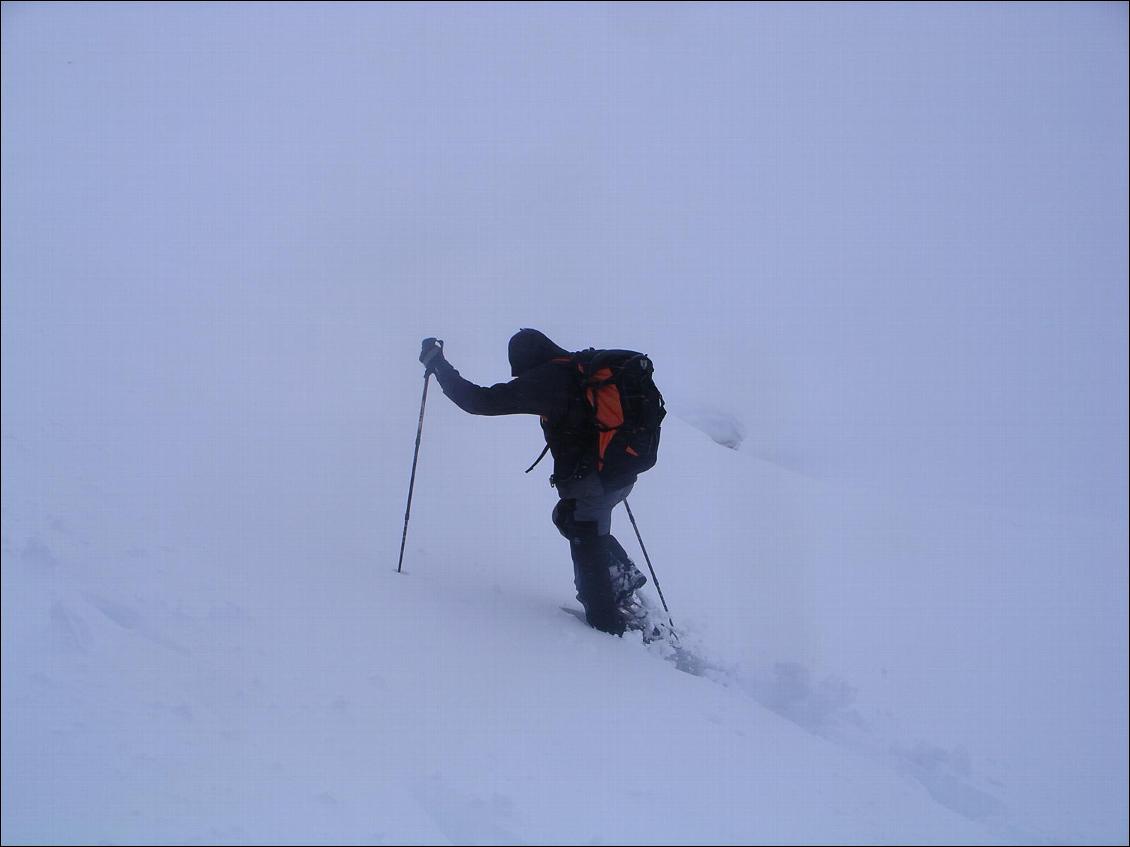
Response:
column 878, row 254
column 179, row 693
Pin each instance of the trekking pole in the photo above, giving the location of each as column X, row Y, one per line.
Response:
column 647, row 559
column 415, row 458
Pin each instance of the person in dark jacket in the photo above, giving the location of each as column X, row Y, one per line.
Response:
column 545, row 383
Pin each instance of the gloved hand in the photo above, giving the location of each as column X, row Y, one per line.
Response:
column 431, row 353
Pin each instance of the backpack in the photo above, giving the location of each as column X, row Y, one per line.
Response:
column 625, row 407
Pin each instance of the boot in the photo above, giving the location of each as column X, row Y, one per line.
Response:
column 626, row 577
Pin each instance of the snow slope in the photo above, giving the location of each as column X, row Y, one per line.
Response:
column 156, row 692
column 878, row 254
column 180, row 693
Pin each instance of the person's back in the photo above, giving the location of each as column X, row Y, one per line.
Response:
column 548, row 381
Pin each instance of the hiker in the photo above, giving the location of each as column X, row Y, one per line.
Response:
column 600, row 414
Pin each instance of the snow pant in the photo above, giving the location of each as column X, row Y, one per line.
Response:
column 601, row 568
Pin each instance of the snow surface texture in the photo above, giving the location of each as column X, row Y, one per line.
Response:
column 879, row 250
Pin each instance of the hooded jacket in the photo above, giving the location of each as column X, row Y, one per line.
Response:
column 545, row 384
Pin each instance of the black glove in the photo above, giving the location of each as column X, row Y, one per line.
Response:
column 431, row 353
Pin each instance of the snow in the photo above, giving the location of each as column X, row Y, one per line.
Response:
column 878, row 256
column 163, row 697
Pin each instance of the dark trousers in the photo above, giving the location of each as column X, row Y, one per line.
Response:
column 584, row 516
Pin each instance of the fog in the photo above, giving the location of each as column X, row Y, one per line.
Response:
column 885, row 242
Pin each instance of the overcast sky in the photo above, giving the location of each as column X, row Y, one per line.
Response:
column 890, row 238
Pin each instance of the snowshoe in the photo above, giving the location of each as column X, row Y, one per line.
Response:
column 640, row 617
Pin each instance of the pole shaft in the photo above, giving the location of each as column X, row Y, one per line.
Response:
column 412, row 482
column 647, row 559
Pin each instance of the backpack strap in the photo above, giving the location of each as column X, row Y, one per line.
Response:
column 541, row 456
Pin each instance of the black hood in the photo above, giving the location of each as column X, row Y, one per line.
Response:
column 530, row 348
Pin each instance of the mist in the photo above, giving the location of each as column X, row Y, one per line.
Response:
column 885, row 244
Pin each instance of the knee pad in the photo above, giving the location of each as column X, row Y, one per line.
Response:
column 573, row 530
column 563, row 516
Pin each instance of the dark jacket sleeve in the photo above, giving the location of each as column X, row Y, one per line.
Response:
column 520, row 396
